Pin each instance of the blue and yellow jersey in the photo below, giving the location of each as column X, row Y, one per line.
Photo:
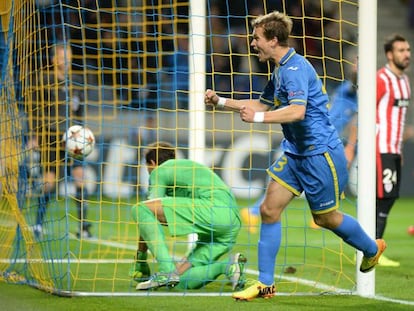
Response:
column 295, row 81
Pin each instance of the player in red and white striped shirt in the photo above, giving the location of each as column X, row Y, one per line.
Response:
column 393, row 97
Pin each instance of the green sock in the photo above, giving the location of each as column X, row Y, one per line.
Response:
column 141, row 264
column 153, row 234
column 141, row 256
column 197, row 277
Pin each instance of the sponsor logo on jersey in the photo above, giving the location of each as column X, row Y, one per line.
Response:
column 296, row 93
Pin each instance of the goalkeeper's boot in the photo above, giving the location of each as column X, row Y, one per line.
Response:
column 256, row 290
column 235, row 271
column 368, row 264
column 159, row 280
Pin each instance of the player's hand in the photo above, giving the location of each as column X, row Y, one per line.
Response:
column 247, row 114
column 211, row 98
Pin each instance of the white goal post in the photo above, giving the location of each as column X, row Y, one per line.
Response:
column 367, row 62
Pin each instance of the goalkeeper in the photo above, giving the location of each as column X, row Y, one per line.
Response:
column 188, row 197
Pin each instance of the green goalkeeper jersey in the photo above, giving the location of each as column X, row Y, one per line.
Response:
column 189, row 179
column 195, row 200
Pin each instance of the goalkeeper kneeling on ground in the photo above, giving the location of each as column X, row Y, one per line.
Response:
column 188, row 197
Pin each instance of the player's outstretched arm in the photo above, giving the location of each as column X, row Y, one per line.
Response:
column 288, row 114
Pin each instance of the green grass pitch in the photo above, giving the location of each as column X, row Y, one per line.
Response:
column 394, row 286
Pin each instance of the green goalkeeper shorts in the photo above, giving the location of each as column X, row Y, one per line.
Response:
column 217, row 224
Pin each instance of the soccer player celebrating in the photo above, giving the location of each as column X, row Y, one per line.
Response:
column 343, row 113
column 393, row 97
column 313, row 161
column 188, row 197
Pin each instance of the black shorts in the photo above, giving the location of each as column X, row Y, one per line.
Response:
column 388, row 175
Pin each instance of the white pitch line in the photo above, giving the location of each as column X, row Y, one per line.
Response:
column 328, row 288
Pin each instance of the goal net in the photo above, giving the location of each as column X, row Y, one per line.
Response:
column 130, row 71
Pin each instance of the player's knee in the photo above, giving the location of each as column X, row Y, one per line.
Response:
column 269, row 214
column 329, row 220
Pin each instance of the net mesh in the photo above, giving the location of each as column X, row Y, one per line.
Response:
column 127, row 79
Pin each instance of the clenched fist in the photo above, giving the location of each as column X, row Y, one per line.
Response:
column 211, row 98
column 247, row 114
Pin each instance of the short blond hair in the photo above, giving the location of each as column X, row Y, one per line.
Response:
column 275, row 24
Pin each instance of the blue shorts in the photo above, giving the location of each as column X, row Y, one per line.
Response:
column 323, row 177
